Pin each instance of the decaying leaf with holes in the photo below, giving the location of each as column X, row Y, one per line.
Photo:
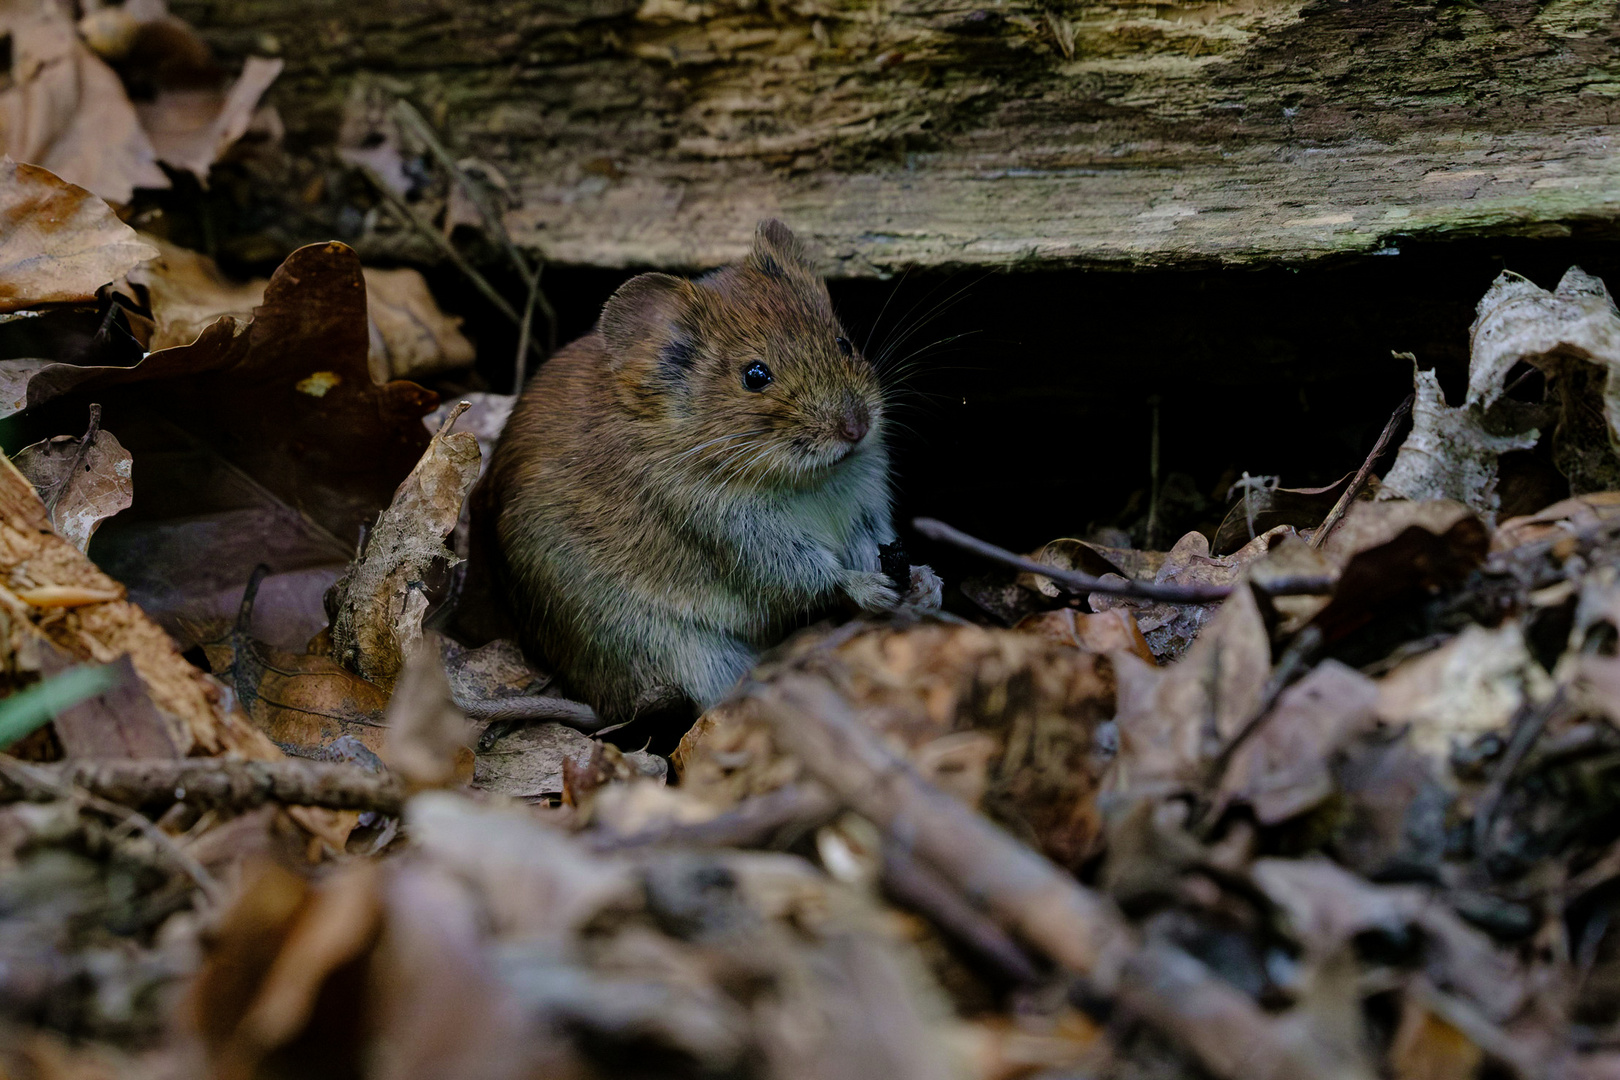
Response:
column 1449, row 453
column 379, row 604
column 83, row 481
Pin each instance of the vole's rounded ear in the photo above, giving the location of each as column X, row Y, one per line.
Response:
column 776, row 250
column 646, row 311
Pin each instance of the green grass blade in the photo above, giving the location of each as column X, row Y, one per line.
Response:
column 25, row 712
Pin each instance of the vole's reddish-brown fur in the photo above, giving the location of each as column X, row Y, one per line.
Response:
column 658, row 522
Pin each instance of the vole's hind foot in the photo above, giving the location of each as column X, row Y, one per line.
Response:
column 871, row 591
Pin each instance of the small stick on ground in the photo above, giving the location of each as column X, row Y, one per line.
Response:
column 754, row 822
column 521, row 363
column 1079, row 583
column 36, row 781
column 210, row 783
column 1029, row 897
column 1359, row 481
column 60, row 487
column 1153, row 477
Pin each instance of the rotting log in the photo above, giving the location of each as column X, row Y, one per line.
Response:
column 994, row 133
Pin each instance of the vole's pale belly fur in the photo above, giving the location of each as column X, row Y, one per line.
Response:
column 631, row 578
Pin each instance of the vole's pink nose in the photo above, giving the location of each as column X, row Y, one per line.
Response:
column 855, row 424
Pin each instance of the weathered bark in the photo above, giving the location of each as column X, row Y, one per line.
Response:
column 984, row 132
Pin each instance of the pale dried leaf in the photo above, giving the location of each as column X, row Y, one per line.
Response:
column 87, row 492
column 1471, row 685
column 187, row 293
column 1518, row 320
column 192, row 127
column 528, row 763
column 67, row 111
column 410, row 336
column 379, row 613
column 1449, row 454
column 60, row 243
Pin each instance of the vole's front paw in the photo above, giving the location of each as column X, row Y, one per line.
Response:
column 870, row 591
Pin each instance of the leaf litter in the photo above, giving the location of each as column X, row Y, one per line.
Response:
column 1342, row 807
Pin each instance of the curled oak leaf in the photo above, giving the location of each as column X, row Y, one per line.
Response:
column 58, row 242
column 287, row 396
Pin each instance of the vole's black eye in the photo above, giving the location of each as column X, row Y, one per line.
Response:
column 845, row 347
column 756, row 376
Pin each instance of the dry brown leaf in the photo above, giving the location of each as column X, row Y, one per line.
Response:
column 81, row 487
column 1326, row 906
column 192, row 127
column 1427, row 1047
column 301, row 701
column 1099, row 632
column 1282, row 770
column 187, row 293
column 66, row 110
column 378, row 613
column 1175, row 721
column 410, row 336
column 287, row 398
column 1170, row 628
column 1264, row 508
column 1449, row 454
column 1394, row 554
column 59, row 243
column 528, row 763
column 1563, row 518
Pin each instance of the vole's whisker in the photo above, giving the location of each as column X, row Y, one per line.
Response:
column 867, row 344
column 922, row 321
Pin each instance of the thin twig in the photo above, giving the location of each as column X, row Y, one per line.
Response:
column 223, row 783
column 492, row 219
column 1079, row 583
column 89, row 440
column 521, row 362
column 1359, row 481
column 1290, row 665
column 32, row 779
column 422, row 225
column 1153, row 476
column 1527, row 728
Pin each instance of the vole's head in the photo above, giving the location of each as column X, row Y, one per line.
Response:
column 745, row 375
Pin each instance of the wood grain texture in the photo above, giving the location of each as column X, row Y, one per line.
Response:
column 995, row 133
